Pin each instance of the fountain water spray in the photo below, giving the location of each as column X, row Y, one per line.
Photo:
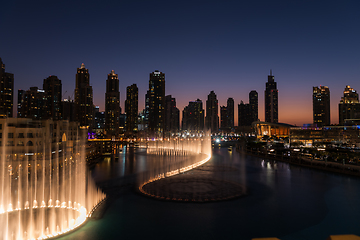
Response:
column 44, row 185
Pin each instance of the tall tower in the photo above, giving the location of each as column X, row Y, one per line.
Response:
column 212, row 113
column 271, row 100
column 172, row 115
column 321, row 106
column 53, row 88
column 6, row 92
column 112, row 105
column 156, row 95
column 131, row 108
column 349, row 106
column 253, row 101
column 230, row 113
column 84, row 108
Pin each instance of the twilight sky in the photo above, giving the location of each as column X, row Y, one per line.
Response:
column 225, row 46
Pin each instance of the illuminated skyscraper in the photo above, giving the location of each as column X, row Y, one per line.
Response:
column 53, row 88
column 193, row 116
column 156, row 95
column 6, row 92
column 131, row 108
column 321, row 106
column 349, row 106
column 112, row 105
column 227, row 115
column 271, row 100
column 33, row 104
column 212, row 113
column 84, row 107
column 248, row 113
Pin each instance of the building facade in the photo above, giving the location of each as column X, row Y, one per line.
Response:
column 6, row 92
column 193, row 116
column 53, row 91
column 112, row 105
column 156, row 98
column 131, row 108
column 254, row 103
column 212, row 115
column 33, row 104
column 84, row 107
column 172, row 115
column 271, row 100
column 349, row 106
column 321, row 106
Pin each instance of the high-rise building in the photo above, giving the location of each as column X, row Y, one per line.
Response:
column 230, row 113
column 349, row 106
column 68, row 110
column 244, row 114
column 6, row 92
column 271, row 100
column 248, row 112
column 321, row 106
column 112, row 105
column 131, row 108
column 53, row 89
column 156, row 95
column 212, row 115
column 84, row 108
column 33, row 103
column 253, row 101
column 193, row 116
column 223, row 117
column 172, row 115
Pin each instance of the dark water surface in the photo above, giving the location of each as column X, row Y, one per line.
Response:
column 284, row 201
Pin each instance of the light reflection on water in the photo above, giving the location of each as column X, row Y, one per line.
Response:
column 285, row 201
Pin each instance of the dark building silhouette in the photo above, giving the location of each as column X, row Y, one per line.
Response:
column 254, row 103
column 212, row 115
column 6, row 92
column 321, row 106
column 131, row 108
column 172, row 115
column 193, row 116
column 223, row 117
column 68, row 110
column 156, row 96
column 53, row 89
column 244, row 114
column 33, row 104
column 349, row 106
column 230, row 113
column 248, row 113
column 84, row 107
column 271, row 100
column 112, row 105
column 21, row 97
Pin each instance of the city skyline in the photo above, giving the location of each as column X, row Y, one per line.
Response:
column 306, row 44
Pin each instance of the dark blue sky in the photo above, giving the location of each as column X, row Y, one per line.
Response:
column 225, row 46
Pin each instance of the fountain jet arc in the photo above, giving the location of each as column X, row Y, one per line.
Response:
column 44, row 184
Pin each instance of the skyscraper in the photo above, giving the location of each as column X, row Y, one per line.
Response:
column 223, row 117
column 131, row 108
column 84, row 108
column 349, row 106
column 172, row 115
column 33, row 104
column 53, row 90
column 253, row 101
column 321, row 106
column 156, row 95
column 193, row 116
column 271, row 100
column 230, row 113
column 112, row 105
column 212, row 116
column 6, row 92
